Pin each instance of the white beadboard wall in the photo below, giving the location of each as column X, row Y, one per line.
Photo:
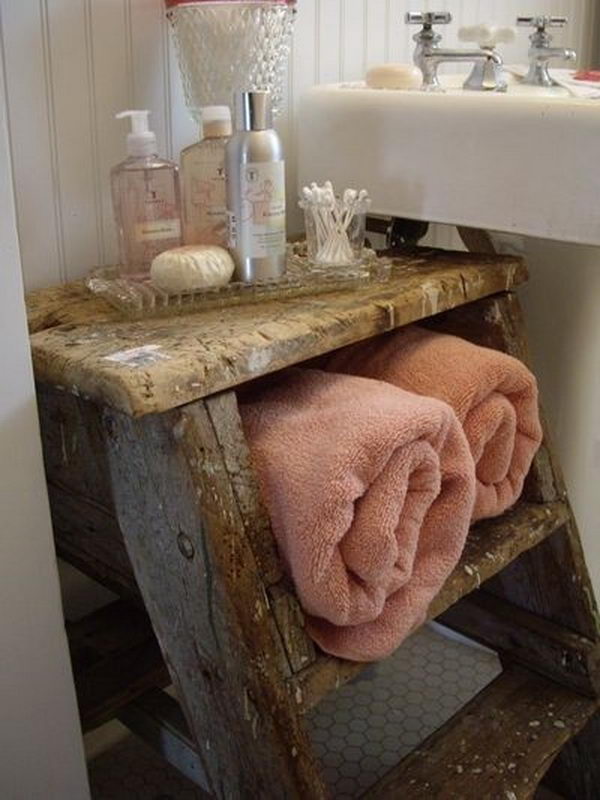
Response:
column 72, row 64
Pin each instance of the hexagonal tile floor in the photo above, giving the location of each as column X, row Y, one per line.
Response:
column 369, row 725
column 359, row 732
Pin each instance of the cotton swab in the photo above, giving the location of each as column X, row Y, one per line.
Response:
column 332, row 217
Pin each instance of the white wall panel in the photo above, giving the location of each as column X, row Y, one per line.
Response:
column 33, row 144
column 329, row 38
column 354, row 30
column 74, row 131
column 111, row 87
column 72, row 64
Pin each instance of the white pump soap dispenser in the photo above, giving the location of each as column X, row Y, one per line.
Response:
column 146, row 200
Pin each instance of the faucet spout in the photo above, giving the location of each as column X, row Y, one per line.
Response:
column 564, row 53
column 442, row 55
column 486, row 62
column 539, row 58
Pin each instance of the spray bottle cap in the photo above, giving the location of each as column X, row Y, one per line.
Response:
column 253, row 111
column 141, row 141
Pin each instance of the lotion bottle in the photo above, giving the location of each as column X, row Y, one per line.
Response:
column 203, row 181
column 146, row 201
column 256, row 191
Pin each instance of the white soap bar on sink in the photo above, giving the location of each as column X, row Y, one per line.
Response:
column 394, row 76
column 193, row 267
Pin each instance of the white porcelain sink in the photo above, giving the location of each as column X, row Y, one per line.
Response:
column 523, row 162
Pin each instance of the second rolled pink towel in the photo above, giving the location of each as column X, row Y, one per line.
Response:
column 494, row 396
column 370, row 491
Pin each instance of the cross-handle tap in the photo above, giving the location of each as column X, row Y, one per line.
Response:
column 428, row 55
column 541, row 51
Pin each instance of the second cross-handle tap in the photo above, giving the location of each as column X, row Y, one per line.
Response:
column 541, row 52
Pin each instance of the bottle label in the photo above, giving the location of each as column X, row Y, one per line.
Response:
column 158, row 229
column 260, row 230
column 205, row 213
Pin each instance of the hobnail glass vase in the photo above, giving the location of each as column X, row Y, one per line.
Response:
column 224, row 45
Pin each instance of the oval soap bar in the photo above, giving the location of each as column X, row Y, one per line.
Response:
column 394, row 76
column 193, row 267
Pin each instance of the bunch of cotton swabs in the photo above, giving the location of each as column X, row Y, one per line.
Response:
column 332, row 217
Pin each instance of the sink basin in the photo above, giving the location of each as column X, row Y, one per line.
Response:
column 523, row 162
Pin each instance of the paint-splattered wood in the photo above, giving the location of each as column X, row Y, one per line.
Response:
column 86, row 530
column 226, row 421
column 520, row 636
column 201, row 587
column 71, row 304
column 158, row 364
column 574, row 774
column 494, row 543
column 73, row 441
column 490, row 546
column 289, row 618
column 498, row 746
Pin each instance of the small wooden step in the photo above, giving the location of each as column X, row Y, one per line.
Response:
column 519, row 636
column 498, row 746
column 115, row 658
column 491, row 545
column 157, row 718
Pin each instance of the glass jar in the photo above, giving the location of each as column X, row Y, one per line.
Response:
column 332, row 241
column 225, row 45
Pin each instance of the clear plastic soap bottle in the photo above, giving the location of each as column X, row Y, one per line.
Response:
column 203, row 180
column 146, row 200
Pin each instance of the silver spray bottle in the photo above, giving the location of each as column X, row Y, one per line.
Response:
column 256, row 191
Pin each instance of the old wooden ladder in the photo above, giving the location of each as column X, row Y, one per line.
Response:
column 153, row 494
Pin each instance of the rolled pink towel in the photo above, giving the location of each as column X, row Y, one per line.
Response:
column 494, row 396
column 370, row 491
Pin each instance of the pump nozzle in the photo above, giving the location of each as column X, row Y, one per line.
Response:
column 141, row 141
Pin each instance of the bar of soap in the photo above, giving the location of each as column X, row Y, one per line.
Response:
column 193, row 267
column 394, row 76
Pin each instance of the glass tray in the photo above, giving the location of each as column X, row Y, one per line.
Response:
column 138, row 299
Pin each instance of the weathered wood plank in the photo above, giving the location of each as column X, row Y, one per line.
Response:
column 73, row 441
column 156, row 717
column 494, row 543
column 490, row 546
column 225, row 417
column 574, row 774
column 498, row 746
column 201, row 587
column 520, row 636
column 191, row 357
column 289, row 618
column 89, row 537
column 69, row 304
column 115, row 658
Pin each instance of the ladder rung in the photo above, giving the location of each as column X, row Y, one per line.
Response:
column 157, row 718
column 497, row 746
column 115, row 658
column 491, row 545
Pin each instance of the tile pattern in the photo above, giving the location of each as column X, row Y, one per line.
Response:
column 366, row 727
column 359, row 732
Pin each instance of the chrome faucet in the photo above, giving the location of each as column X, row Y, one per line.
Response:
column 428, row 55
column 540, row 52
